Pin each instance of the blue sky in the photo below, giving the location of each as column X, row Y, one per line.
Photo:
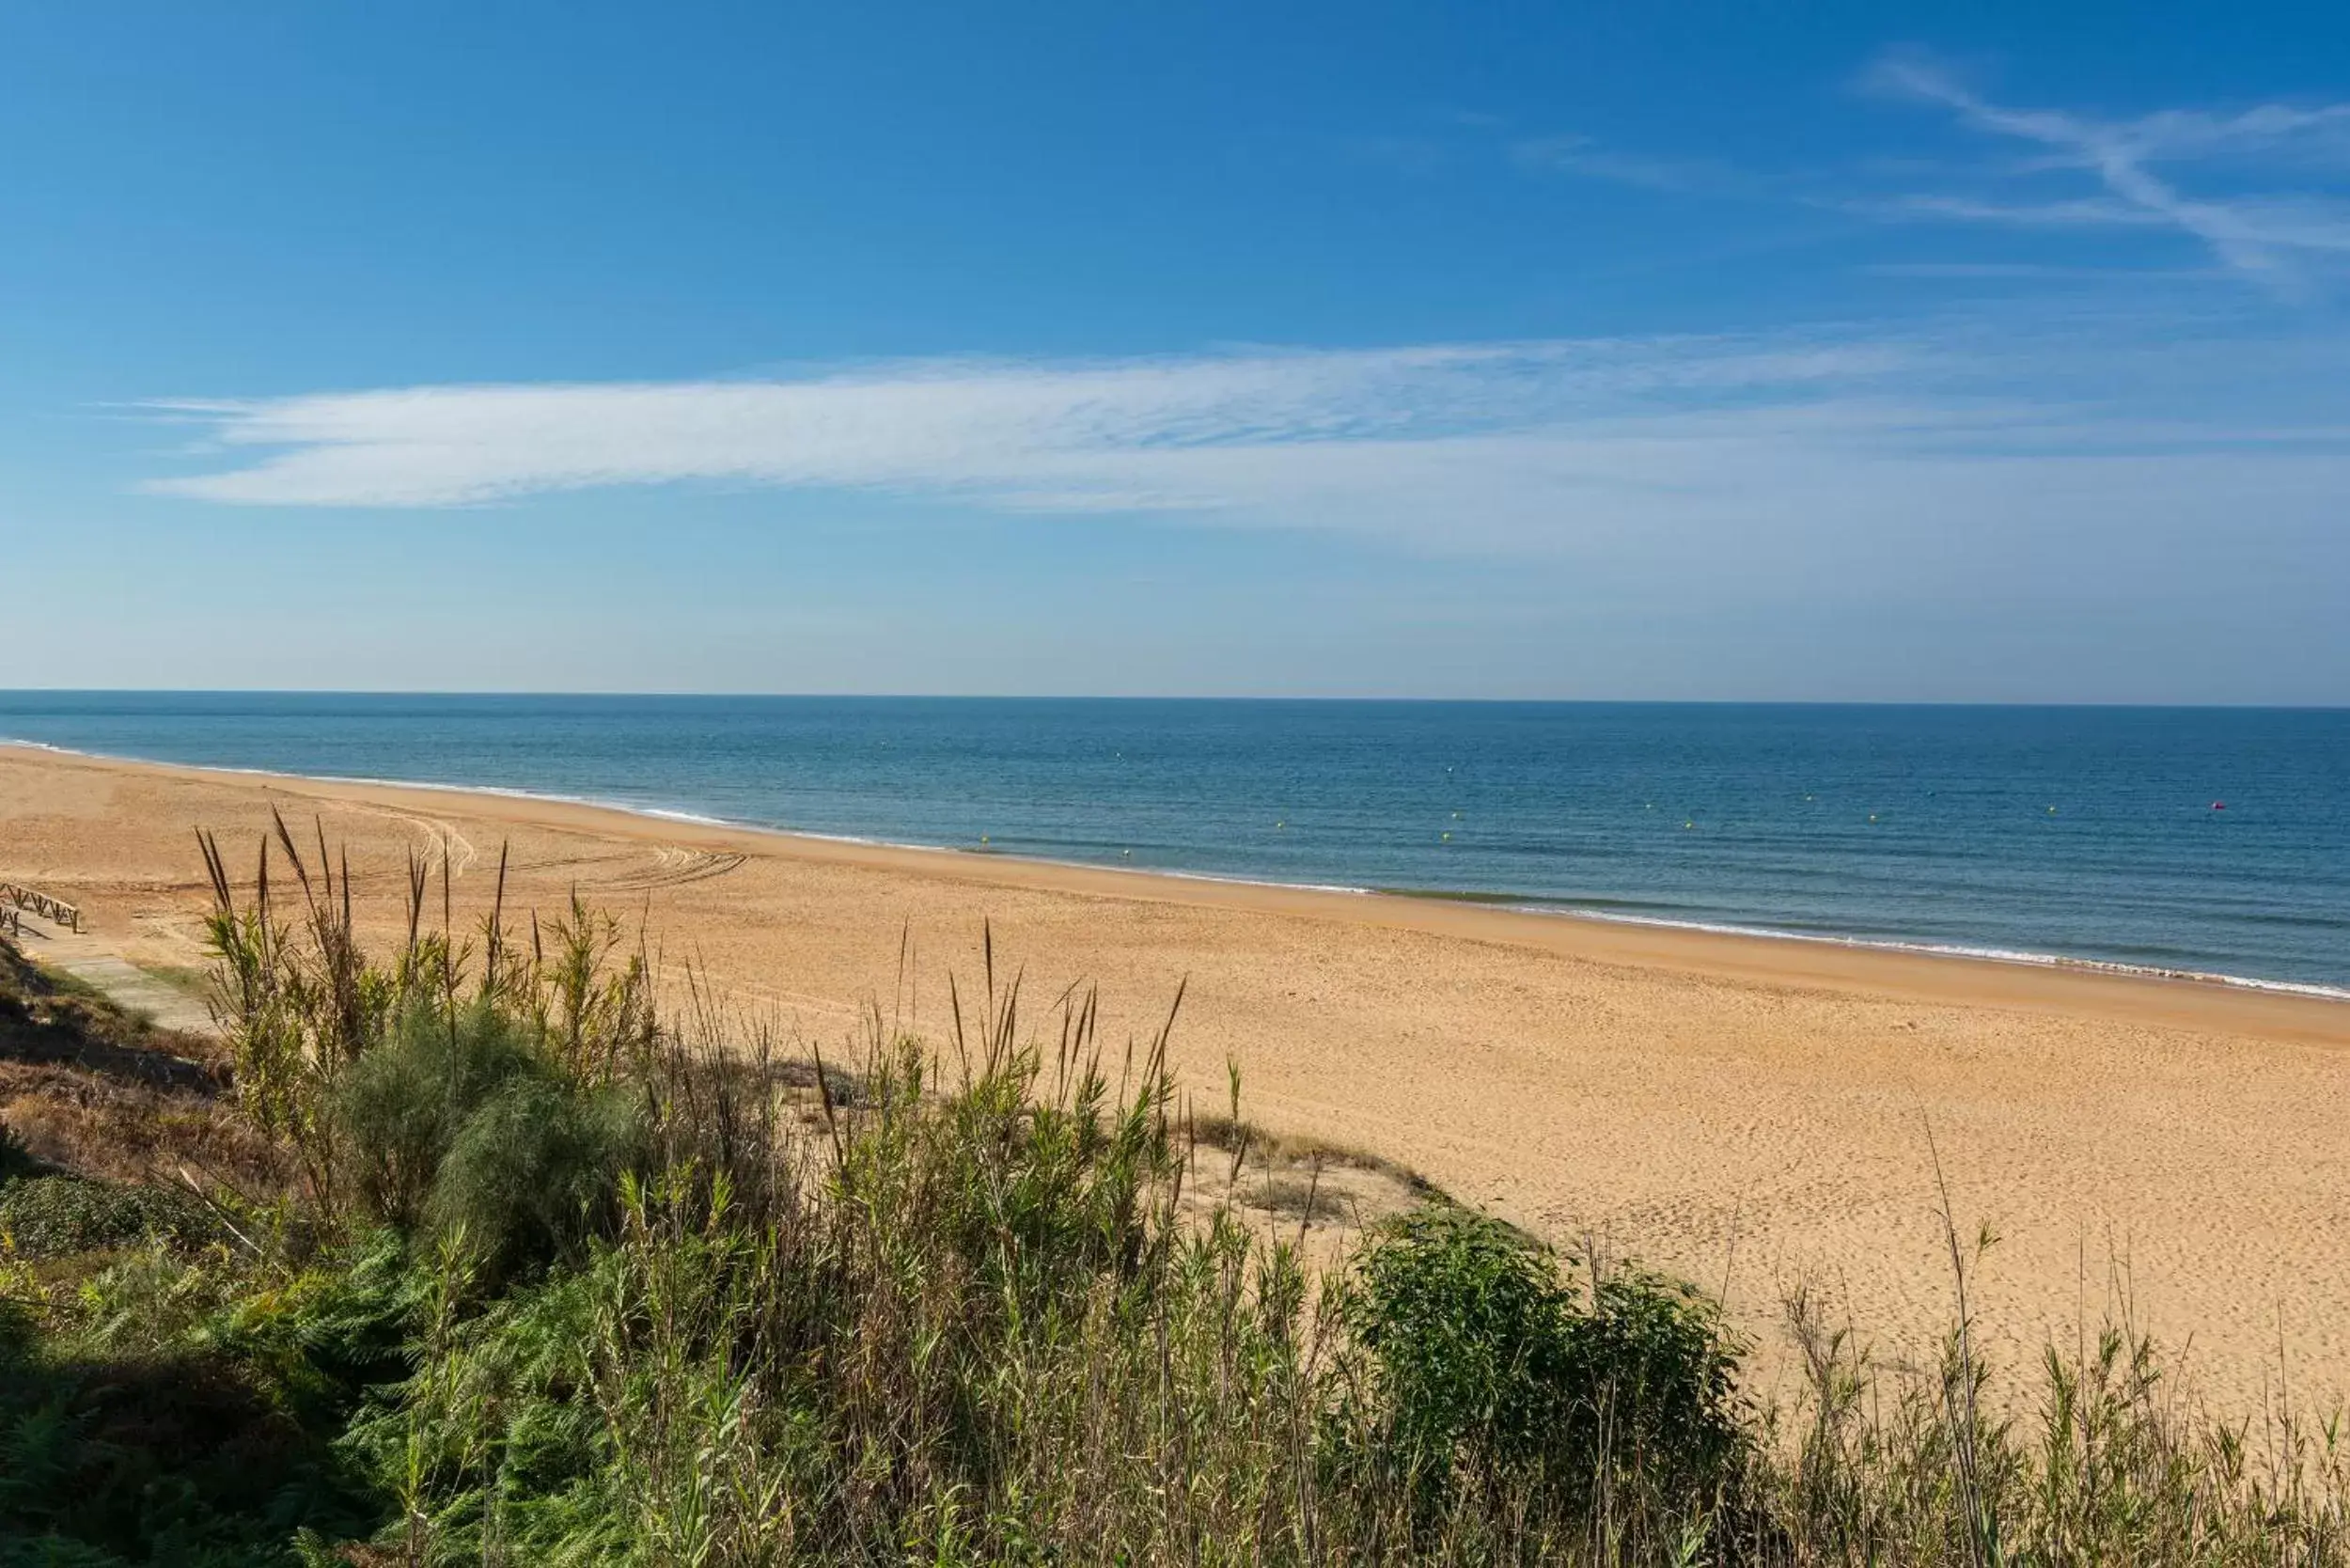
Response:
column 1638, row 351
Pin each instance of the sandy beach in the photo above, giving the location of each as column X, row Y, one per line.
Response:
column 1752, row 1114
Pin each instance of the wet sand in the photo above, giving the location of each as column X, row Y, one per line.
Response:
column 1739, row 1110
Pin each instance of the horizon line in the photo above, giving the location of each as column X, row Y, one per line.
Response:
column 1167, row 698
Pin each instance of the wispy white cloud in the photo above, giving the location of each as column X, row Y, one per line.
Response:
column 1115, row 435
column 1759, row 458
column 2273, row 236
column 2244, row 205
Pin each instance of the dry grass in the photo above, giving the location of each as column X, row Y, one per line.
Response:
column 91, row 1090
column 1320, row 1197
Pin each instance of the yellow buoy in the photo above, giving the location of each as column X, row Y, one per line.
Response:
column 1448, row 837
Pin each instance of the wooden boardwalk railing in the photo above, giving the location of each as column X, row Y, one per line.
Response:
column 42, row 904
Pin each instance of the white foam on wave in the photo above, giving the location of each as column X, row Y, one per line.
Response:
column 1950, row 949
column 668, row 814
column 503, row 791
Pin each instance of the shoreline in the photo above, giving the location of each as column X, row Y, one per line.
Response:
column 1525, row 907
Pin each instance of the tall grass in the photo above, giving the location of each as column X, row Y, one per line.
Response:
column 564, row 1284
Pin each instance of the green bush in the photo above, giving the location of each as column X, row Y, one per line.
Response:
column 55, row 1217
column 400, row 1106
column 460, row 1126
column 533, row 1170
column 1656, row 1370
column 1488, row 1369
column 1469, row 1329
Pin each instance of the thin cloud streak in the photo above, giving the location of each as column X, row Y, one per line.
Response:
column 2268, row 237
column 1015, row 434
column 2273, row 236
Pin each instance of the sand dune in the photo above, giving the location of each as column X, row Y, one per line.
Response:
column 1743, row 1111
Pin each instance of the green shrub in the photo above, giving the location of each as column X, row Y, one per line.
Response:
column 1469, row 1328
column 1657, row 1374
column 55, row 1217
column 461, row 1126
column 1487, row 1368
column 400, row 1106
column 533, row 1170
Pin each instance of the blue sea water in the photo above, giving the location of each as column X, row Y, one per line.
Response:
column 2088, row 833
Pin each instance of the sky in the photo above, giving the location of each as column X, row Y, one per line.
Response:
column 1994, row 352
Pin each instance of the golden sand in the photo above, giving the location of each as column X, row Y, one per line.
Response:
column 1742, row 1112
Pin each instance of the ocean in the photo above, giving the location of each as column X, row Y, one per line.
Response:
column 2209, row 841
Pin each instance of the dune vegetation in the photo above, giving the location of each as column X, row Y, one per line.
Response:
column 469, row 1252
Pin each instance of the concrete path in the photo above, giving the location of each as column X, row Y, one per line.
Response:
column 90, row 959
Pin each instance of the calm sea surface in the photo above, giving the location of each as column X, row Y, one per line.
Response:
column 2087, row 833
